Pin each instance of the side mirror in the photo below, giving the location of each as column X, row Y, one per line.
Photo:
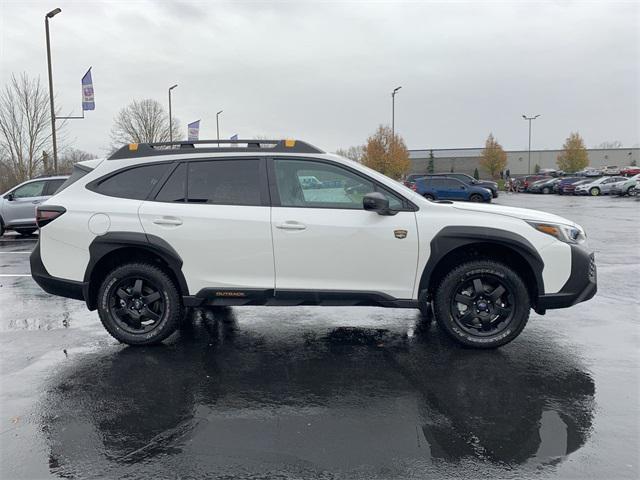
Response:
column 377, row 202
column 9, row 197
column 462, row 187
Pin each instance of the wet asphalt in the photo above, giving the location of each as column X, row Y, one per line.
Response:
column 320, row 392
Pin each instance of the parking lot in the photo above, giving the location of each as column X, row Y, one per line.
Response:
column 310, row 392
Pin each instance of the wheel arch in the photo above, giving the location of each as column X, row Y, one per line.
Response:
column 117, row 248
column 454, row 245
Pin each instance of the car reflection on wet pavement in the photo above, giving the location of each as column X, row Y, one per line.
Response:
column 313, row 392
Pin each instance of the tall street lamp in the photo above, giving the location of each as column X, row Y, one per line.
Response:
column 170, row 117
column 529, row 119
column 49, row 15
column 218, row 124
column 393, row 112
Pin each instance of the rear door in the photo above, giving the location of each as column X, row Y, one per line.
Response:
column 21, row 209
column 215, row 214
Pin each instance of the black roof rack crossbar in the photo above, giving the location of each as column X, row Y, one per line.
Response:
column 135, row 150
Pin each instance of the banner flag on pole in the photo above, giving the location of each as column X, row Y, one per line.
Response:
column 235, row 137
column 194, row 130
column 88, row 99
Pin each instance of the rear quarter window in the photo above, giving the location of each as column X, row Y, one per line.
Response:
column 134, row 183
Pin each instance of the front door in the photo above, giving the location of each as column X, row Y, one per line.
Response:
column 215, row 215
column 22, row 208
column 324, row 240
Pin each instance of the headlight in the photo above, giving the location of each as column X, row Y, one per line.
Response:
column 564, row 233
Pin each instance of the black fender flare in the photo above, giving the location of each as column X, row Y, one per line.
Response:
column 452, row 237
column 107, row 243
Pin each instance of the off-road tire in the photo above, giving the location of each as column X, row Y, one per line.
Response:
column 172, row 313
column 498, row 272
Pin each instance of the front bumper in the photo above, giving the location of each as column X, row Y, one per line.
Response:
column 54, row 285
column 581, row 286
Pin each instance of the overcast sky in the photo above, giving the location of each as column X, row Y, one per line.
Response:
column 324, row 71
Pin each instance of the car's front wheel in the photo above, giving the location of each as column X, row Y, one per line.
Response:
column 139, row 304
column 482, row 304
column 476, row 197
column 594, row 192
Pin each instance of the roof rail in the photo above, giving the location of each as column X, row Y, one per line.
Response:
column 135, row 150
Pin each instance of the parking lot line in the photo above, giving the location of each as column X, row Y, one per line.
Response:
column 14, row 252
column 15, row 274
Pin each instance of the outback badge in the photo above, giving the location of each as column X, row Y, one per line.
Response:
column 400, row 234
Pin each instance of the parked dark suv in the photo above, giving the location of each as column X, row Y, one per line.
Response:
column 469, row 180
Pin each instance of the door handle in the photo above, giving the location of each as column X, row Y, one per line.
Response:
column 291, row 225
column 173, row 221
column 36, row 202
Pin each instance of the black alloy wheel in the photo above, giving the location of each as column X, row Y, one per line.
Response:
column 136, row 304
column 139, row 304
column 482, row 304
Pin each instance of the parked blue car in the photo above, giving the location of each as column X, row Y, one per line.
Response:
column 445, row 188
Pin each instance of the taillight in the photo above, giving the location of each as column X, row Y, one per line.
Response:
column 47, row 214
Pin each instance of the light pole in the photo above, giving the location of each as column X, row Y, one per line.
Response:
column 218, row 124
column 170, row 118
column 49, row 15
column 393, row 112
column 529, row 119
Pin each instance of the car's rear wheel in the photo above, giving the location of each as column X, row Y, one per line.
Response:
column 139, row 304
column 594, row 191
column 482, row 304
column 428, row 196
column 628, row 192
column 546, row 190
column 476, row 197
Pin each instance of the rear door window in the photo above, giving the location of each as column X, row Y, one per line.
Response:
column 52, row 186
column 175, row 189
column 135, row 183
column 225, row 182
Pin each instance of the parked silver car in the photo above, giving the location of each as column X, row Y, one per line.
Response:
column 599, row 186
column 18, row 205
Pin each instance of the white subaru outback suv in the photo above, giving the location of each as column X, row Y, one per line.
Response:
column 157, row 228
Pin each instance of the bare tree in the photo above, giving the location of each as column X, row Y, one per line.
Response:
column 24, row 127
column 70, row 157
column 352, row 153
column 142, row 121
column 610, row 144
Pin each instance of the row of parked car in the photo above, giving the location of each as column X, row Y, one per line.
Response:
column 579, row 185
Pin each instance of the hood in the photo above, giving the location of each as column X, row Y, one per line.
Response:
column 486, row 182
column 521, row 213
